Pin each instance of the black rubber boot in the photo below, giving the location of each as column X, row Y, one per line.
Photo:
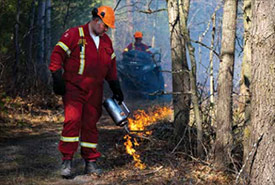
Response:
column 66, row 169
column 92, row 168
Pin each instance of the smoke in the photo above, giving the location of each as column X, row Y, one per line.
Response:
column 149, row 17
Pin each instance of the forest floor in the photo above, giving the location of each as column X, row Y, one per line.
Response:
column 28, row 148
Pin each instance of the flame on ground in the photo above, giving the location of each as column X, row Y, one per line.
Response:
column 138, row 124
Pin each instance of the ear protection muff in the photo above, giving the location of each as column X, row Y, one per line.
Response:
column 94, row 12
column 102, row 14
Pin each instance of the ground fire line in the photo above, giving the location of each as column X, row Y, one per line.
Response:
column 137, row 124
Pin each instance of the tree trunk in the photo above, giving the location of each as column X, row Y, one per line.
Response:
column 47, row 39
column 263, row 91
column 48, row 31
column 41, row 65
column 41, row 31
column 67, row 14
column 30, row 63
column 211, row 78
column 16, row 43
column 184, row 10
column 113, row 31
column 223, row 143
column 180, row 70
column 244, row 101
column 194, row 97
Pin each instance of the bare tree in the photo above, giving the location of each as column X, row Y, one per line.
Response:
column 223, row 143
column 263, row 91
column 244, row 101
column 211, row 75
column 181, row 82
column 184, row 11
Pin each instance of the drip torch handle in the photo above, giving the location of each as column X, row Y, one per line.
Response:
column 126, row 128
column 126, row 108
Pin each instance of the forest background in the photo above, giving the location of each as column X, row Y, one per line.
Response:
column 218, row 64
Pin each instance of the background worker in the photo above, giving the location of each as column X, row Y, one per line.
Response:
column 138, row 45
column 86, row 55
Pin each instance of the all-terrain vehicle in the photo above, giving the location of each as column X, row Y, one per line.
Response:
column 140, row 74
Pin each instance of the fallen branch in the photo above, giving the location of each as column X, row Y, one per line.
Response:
column 153, row 171
column 165, row 93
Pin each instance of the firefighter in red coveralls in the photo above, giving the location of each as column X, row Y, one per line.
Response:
column 138, row 45
column 86, row 55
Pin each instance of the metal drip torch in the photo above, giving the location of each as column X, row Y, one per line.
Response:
column 119, row 113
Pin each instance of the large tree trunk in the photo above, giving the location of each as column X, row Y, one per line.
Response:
column 263, row 91
column 223, row 142
column 181, row 84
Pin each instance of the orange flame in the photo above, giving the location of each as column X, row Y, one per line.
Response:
column 140, row 121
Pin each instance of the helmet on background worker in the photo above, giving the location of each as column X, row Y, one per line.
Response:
column 106, row 14
column 138, row 34
column 137, row 45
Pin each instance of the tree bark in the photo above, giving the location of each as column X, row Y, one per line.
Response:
column 30, row 63
column 42, row 68
column 244, row 101
column 211, row 75
column 67, row 14
column 48, row 32
column 263, row 91
column 194, row 97
column 223, row 143
column 181, row 82
column 16, row 42
column 41, row 31
column 184, row 11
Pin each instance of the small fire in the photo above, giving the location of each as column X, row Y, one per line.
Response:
column 137, row 124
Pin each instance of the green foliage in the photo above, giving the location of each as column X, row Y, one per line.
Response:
column 66, row 15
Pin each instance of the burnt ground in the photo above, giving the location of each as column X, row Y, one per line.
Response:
column 29, row 155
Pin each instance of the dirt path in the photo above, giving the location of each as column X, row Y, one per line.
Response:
column 34, row 159
column 31, row 157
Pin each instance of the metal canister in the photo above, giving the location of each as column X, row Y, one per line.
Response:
column 119, row 113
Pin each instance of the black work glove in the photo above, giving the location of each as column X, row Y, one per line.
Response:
column 117, row 92
column 59, row 87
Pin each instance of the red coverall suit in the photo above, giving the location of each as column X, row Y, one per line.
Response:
column 85, row 68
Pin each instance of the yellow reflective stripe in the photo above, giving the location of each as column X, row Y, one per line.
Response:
column 82, row 53
column 113, row 56
column 88, row 145
column 126, row 49
column 64, row 47
column 82, row 60
column 81, row 32
column 69, row 139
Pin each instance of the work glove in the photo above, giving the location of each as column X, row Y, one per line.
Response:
column 117, row 92
column 59, row 87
